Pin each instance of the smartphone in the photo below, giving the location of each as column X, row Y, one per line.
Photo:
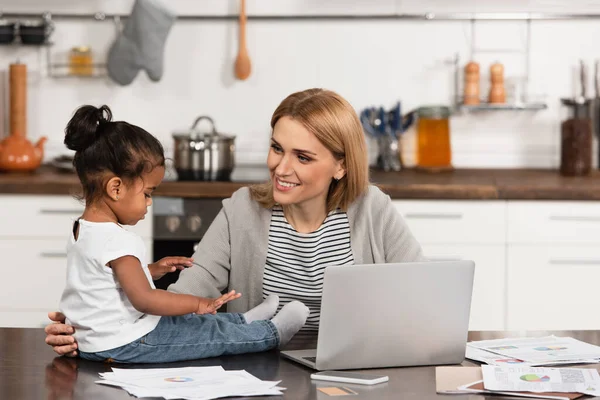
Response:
column 349, row 377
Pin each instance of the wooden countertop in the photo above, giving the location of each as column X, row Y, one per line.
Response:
column 476, row 184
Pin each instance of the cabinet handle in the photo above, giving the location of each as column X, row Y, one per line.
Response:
column 433, row 215
column 66, row 211
column 53, row 254
column 574, row 261
column 581, row 218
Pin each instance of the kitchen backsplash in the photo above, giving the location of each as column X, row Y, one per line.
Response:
column 370, row 62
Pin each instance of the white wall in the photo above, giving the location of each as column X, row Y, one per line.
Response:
column 370, row 62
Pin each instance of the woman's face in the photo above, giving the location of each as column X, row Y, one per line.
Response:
column 301, row 168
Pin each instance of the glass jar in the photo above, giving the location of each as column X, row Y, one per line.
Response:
column 433, row 138
column 576, row 147
column 576, row 134
column 81, row 61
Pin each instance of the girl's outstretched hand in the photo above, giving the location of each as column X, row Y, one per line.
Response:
column 210, row 306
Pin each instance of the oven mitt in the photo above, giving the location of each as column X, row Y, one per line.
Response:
column 141, row 43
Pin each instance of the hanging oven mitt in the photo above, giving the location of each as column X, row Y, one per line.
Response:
column 141, row 43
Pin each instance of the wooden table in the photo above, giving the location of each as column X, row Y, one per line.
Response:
column 30, row 370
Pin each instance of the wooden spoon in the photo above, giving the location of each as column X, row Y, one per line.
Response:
column 242, row 62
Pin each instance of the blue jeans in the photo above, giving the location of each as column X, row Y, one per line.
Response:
column 192, row 336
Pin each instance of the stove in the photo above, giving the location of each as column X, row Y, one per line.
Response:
column 180, row 223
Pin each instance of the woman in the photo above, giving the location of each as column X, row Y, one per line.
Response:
column 318, row 209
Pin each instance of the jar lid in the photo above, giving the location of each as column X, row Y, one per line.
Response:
column 81, row 49
column 433, row 112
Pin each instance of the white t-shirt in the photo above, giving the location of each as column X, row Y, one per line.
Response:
column 93, row 301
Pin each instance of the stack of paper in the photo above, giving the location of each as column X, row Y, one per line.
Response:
column 543, row 383
column 194, row 383
column 549, row 350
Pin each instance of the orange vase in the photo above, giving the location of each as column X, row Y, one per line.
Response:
column 16, row 152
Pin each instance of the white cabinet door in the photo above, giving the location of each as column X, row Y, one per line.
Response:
column 553, row 287
column 445, row 221
column 35, row 272
column 488, row 301
column 561, row 222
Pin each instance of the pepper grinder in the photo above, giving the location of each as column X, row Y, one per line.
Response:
column 497, row 92
column 471, row 91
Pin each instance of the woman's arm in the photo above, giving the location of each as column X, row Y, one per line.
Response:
column 399, row 244
column 209, row 275
column 144, row 298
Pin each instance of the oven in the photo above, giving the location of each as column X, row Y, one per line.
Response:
column 178, row 226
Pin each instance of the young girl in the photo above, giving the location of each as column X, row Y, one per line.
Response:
column 109, row 297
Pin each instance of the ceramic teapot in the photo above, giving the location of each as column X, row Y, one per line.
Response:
column 19, row 154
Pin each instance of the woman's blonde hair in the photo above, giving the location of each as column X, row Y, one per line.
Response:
column 334, row 122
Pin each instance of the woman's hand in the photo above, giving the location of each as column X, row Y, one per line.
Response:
column 210, row 306
column 58, row 335
column 61, row 376
column 168, row 264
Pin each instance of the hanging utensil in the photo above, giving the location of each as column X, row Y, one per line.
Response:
column 242, row 62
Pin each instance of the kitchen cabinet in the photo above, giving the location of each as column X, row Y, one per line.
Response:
column 472, row 230
column 553, row 286
column 33, row 236
column 537, row 262
column 553, row 265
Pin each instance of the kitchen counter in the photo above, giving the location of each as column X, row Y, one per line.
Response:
column 465, row 184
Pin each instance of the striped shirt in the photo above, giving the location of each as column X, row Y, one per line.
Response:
column 296, row 261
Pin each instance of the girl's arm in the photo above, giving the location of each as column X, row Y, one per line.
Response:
column 132, row 279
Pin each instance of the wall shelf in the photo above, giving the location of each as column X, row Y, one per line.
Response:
column 506, row 107
column 522, row 100
column 61, row 70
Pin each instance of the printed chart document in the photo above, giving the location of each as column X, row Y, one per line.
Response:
column 484, row 356
column 193, row 383
column 539, row 379
column 549, row 350
column 477, row 387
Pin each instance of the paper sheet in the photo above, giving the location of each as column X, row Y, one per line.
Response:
column 549, row 350
column 540, row 379
column 194, row 383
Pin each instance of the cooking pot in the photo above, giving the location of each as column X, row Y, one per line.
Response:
column 204, row 156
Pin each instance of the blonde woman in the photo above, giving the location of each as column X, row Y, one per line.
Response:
column 318, row 209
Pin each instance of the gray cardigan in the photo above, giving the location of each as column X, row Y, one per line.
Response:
column 233, row 252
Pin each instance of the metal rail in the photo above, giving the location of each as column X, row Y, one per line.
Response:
column 430, row 16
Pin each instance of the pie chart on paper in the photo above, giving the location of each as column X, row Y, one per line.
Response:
column 179, row 379
column 534, row 378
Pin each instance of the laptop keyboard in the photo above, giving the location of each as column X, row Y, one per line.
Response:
column 311, row 359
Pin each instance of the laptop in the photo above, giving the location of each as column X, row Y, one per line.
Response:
column 392, row 315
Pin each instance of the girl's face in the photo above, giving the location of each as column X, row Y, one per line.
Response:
column 134, row 200
column 301, row 167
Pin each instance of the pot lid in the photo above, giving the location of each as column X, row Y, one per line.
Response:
column 195, row 132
